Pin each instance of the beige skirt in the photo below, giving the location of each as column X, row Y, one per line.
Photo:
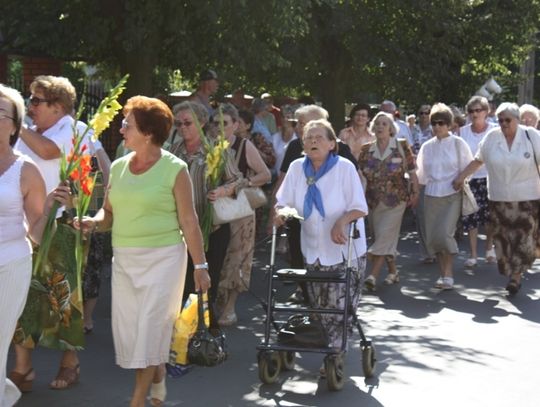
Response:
column 441, row 215
column 386, row 224
column 147, row 286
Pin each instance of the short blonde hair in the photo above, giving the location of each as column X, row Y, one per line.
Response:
column 394, row 129
column 56, row 89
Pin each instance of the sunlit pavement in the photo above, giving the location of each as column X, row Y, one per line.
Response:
column 472, row 346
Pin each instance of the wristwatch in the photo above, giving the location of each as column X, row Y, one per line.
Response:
column 202, row 266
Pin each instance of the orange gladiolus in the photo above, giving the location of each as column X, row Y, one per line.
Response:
column 87, row 185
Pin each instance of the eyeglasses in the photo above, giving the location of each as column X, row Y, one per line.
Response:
column 506, row 120
column 125, row 124
column 35, row 101
column 180, row 123
column 423, row 113
column 477, row 110
column 438, row 123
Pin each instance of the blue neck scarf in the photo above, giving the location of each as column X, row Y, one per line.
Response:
column 313, row 195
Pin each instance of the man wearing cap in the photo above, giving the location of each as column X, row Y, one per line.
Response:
column 276, row 113
column 208, row 86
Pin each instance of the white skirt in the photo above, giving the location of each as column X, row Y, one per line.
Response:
column 14, row 285
column 147, row 287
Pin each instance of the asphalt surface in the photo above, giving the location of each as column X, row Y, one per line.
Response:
column 473, row 346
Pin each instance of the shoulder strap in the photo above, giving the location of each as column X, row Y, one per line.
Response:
column 534, row 154
column 402, row 154
column 240, row 151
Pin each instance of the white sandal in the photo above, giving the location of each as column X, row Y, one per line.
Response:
column 470, row 263
column 491, row 256
column 158, row 392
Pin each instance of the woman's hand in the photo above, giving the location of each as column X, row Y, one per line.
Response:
column 87, row 224
column 413, row 199
column 219, row 192
column 60, row 194
column 457, row 184
column 202, row 279
column 339, row 232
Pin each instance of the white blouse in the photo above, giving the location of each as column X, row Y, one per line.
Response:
column 473, row 140
column 341, row 192
column 512, row 173
column 439, row 162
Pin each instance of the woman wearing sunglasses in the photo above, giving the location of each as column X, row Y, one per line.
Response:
column 439, row 162
column 511, row 153
column 50, row 105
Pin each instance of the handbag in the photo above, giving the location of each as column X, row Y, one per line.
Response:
column 304, row 331
column 227, row 209
column 205, row 349
column 255, row 196
column 468, row 201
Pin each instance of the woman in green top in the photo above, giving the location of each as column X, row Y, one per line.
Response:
column 149, row 205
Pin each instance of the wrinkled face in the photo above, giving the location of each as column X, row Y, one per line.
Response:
column 134, row 139
column 186, row 125
column 529, row 119
column 423, row 115
column 360, row 118
column 7, row 125
column 382, row 126
column 43, row 114
column 439, row 128
column 317, row 145
column 508, row 124
column 477, row 114
column 229, row 126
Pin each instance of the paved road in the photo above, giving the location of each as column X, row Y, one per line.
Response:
column 469, row 347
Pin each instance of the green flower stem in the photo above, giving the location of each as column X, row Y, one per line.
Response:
column 45, row 240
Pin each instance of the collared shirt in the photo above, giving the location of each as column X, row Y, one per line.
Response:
column 473, row 140
column 404, row 132
column 385, row 173
column 512, row 173
column 440, row 162
column 420, row 136
column 197, row 168
column 341, row 192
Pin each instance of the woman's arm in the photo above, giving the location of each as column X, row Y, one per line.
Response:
column 467, row 172
column 339, row 230
column 39, row 144
column 189, row 223
column 256, row 163
column 102, row 220
column 233, row 179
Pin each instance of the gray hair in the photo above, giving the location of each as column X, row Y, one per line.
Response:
column 526, row 108
column 508, row 107
column 390, row 104
column 394, row 129
column 195, row 107
column 228, row 109
column 311, row 110
column 17, row 101
column 478, row 100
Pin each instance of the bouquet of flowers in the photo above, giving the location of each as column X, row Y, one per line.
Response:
column 76, row 167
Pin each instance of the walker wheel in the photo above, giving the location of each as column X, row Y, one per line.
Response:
column 287, row 359
column 335, row 372
column 368, row 360
column 269, row 366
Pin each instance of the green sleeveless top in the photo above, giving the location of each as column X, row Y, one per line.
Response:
column 144, row 208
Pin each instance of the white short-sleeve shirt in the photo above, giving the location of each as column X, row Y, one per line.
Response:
column 512, row 174
column 473, row 140
column 439, row 162
column 341, row 192
column 61, row 134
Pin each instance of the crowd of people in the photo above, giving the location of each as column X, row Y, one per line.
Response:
column 156, row 191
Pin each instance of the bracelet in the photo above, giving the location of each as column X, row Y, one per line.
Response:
column 202, row 266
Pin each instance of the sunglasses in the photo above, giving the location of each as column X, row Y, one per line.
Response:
column 423, row 113
column 35, row 101
column 180, row 123
column 506, row 120
column 125, row 124
column 471, row 111
column 438, row 123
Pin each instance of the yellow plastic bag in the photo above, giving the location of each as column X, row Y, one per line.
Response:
column 184, row 328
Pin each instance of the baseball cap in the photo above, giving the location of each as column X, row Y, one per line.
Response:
column 208, row 75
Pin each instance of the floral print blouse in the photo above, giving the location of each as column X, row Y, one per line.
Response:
column 385, row 174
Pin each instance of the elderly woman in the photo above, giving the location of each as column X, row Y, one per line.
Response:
column 529, row 115
column 473, row 133
column 24, row 211
column 236, row 271
column 358, row 133
column 50, row 106
column 384, row 164
column 511, row 155
column 150, row 258
column 439, row 162
column 314, row 187
column 190, row 118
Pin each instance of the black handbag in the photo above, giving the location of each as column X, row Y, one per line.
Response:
column 204, row 348
column 304, row 331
